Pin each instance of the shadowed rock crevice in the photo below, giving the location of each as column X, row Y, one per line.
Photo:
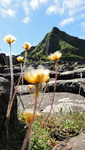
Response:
column 4, row 99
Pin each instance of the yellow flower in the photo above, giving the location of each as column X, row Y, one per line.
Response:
column 20, row 58
column 38, row 75
column 30, row 86
column 28, row 114
column 26, row 46
column 9, row 39
column 48, row 80
column 56, row 55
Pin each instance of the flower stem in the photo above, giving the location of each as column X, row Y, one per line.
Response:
column 25, row 58
column 12, row 81
column 36, row 90
column 56, row 75
column 30, row 125
column 11, row 70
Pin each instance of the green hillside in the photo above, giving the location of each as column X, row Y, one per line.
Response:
column 56, row 40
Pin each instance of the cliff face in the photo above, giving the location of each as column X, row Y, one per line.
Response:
column 71, row 47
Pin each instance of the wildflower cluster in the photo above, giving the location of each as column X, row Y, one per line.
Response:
column 32, row 76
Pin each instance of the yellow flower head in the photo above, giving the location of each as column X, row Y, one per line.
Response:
column 9, row 39
column 26, row 46
column 48, row 80
column 28, row 114
column 20, row 58
column 38, row 75
column 56, row 55
column 30, row 86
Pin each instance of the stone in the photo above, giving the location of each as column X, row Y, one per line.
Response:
column 4, row 100
column 73, row 74
column 66, row 101
column 78, row 142
column 71, row 86
column 75, row 143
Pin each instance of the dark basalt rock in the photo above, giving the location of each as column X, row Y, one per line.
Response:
column 4, row 100
column 72, row 86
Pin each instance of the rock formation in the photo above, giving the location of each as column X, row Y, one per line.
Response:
column 4, row 100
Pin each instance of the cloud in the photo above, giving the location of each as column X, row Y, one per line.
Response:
column 34, row 4
column 8, row 12
column 51, row 9
column 26, row 20
column 66, row 21
column 54, row 9
column 25, row 6
column 81, row 16
column 66, row 6
column 5, row 3
column 16, row 5
column 43, row 1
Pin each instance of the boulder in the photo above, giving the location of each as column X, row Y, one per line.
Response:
column 76, row 143
column 4, row 60
column 73, row 74
column 4, row 100
column 66, row 101
column 72, row 86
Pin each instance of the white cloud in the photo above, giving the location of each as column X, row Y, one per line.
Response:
column 8, row 12
column 66, row 6
column 5, row 3
column 51, row 9
column 54, row 9
column 25, row 6
column 34, row 4
column 63, row 7
column 26, row 20
column 43, row 1
column 66, row 21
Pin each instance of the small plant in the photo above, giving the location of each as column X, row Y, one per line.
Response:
column 27, row 47
column 40, row 137
column 35, row 76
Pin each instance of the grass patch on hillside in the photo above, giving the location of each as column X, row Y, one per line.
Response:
column 58, row 127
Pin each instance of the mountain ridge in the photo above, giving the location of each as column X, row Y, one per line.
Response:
column 56, row 40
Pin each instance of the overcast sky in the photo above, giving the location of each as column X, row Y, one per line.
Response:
column 30, row 20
